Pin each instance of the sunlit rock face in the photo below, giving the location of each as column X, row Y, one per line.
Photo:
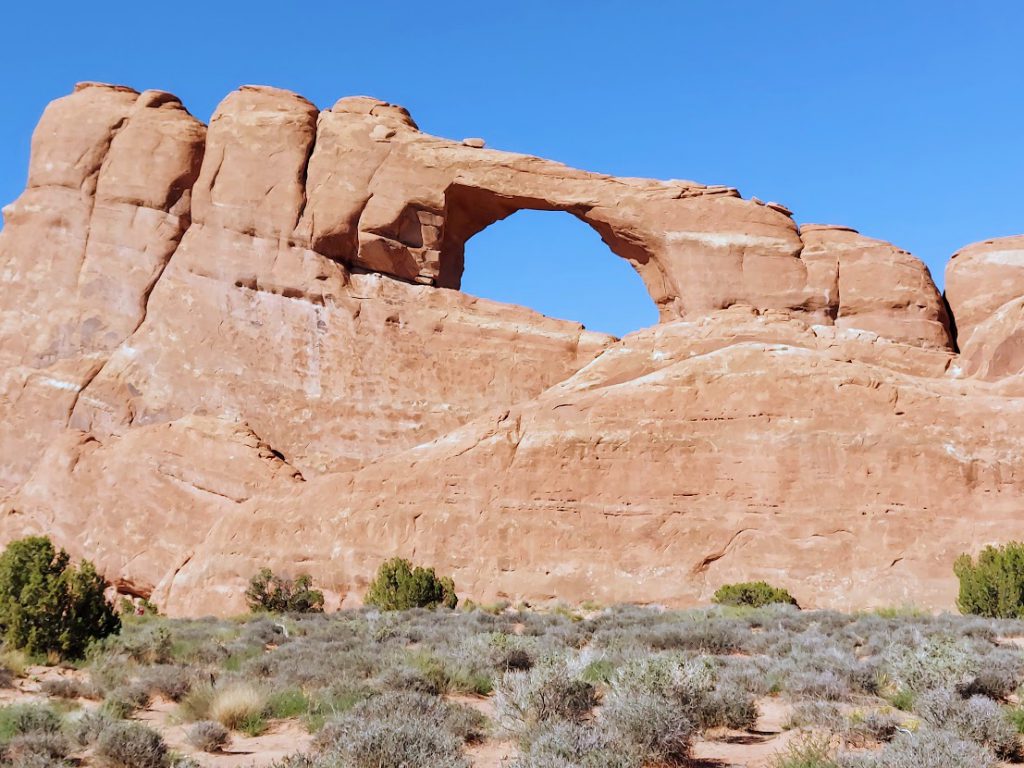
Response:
column 241, row 345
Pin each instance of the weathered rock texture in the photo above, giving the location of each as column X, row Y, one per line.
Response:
column 243, row 345
column 985, row 288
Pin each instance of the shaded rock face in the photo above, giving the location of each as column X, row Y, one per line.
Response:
column 241, row 346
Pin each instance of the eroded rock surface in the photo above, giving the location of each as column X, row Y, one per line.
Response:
column 985, row 286
column 229, row 347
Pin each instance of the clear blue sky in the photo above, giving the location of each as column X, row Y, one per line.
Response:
column 902, row 119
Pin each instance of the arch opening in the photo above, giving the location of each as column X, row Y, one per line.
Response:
column 553, row 263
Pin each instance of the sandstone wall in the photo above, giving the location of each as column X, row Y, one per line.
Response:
column 244, row 345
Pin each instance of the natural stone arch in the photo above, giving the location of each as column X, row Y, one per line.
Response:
column 360, row 185
column 555, row 263
column 470, row 210
column 381, row 196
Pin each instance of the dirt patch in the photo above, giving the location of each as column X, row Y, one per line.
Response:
column 282, row 738
column 490, row 754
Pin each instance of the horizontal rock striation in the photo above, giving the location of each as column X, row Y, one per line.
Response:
column 241, row 345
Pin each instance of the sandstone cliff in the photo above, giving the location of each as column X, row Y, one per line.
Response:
column 241, row 345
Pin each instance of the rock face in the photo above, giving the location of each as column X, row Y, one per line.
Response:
column 243, row 345
column 985, row 287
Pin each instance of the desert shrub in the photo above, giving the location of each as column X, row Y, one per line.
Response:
column 514, row 659
column 137, row 607
column 560, row 744
column 65, row 688
column 407, row 677
column 31, row 734
column 872, row 728
column 931, row 749
column 816, row 714
column 286, row 703
column 726, row 706
column 935, row 663
column 86, row 729
column 29, row 748
column 6, row 677
column 399, row 586
column 753, row 594
column 300, row 760
column 330, row 702
column 429, row 673
column 1001, row 674
column 599, row 671
column 818, row 685
column 264, row 630
column 461, row 680
column 866, row 676
column 396, row 731
column 694, row 687
column 167, row 680
column 268, row 592
column 976, row 719
column 750, row 674
column 47, row 605
column 903, row 699
column 239, row 706
column 208, row 735
column 36, row 761
column 701, row 634
column 652, row 724
column 1015, row 716
column 993, row 585
column 17, row 719
column 107, row 672
column 431, row 712
column 131, row 745
column 197, row 703
column 546, row 692
column 151, row 645
column 811, row 751
column 393, row 744
column 123, row 701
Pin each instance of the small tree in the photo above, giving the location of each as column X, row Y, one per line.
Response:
column 400, row 586
column 277, row 594
column 752, row 594
column 994, row 585
column 49, row 606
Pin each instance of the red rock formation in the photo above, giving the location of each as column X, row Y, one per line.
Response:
column 985, row 287
column 243, row 346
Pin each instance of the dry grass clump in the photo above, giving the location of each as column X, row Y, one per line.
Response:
column 239, row 706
